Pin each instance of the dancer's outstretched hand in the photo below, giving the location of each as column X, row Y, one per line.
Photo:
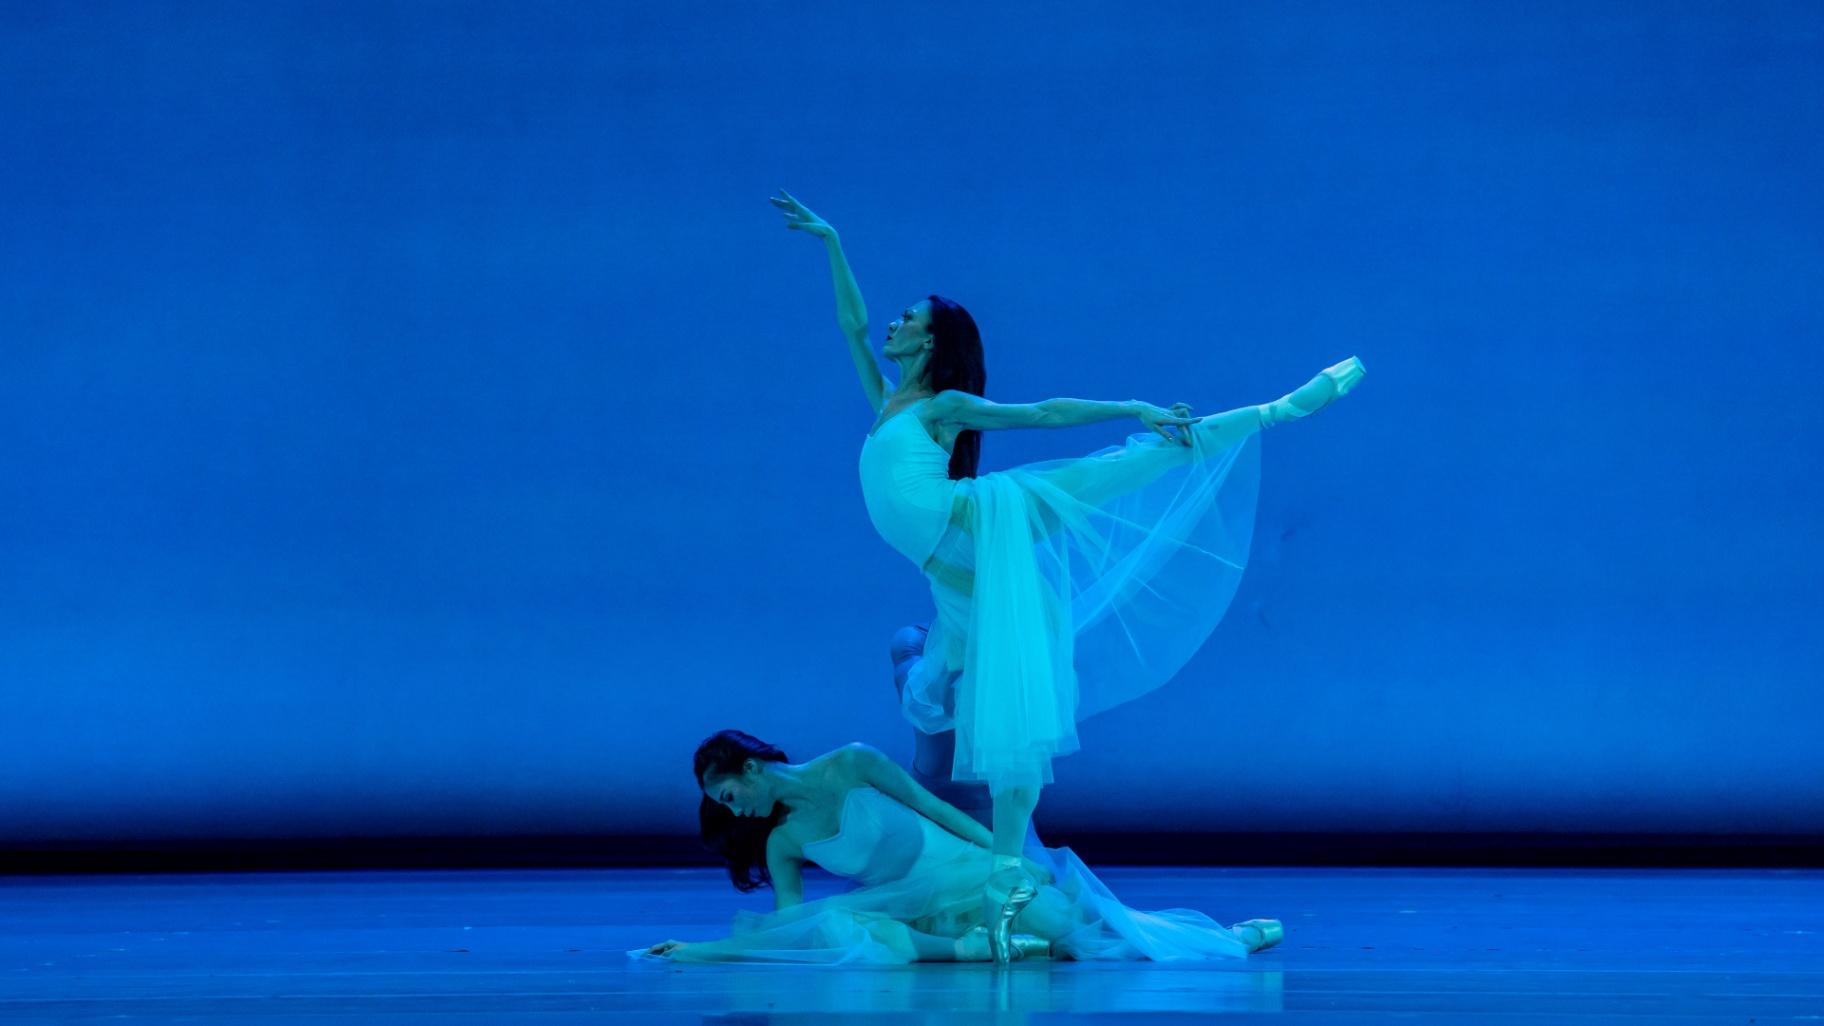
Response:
column 667, row 947
column 799, row 216
column 1179, row 415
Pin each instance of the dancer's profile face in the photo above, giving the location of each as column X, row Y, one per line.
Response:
column 910, row 331
column 743, row 793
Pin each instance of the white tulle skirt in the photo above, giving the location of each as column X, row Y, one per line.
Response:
column 1066, row 587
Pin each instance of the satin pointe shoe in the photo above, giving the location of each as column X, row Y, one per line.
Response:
column 1021, row 945
column 1270, row 931
column 1324, row 388
column 1002, row 904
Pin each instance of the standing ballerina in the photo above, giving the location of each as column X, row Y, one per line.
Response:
column 1063, row 587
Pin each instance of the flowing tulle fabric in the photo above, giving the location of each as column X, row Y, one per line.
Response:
column 1066, row 587
column 914, row 875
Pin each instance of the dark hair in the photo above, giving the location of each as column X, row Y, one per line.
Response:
column 956, row 362
column 740, row 840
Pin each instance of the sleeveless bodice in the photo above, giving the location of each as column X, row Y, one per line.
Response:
column 906, row 485
column 878, row 839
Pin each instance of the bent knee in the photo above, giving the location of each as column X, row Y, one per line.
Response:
column 908, row 642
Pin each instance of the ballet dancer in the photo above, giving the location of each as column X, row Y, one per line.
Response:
column 916, row 866
column 1062, row 587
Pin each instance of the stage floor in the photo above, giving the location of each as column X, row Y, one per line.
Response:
column 530, row 946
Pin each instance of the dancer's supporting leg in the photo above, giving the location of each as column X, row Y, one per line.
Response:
column 1012, row 815
column 1010, row 889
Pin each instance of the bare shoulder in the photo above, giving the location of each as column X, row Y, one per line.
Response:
column 869, row 765
column 857, row 754
column 835, row 771
column 847, row 766
column 833, row 774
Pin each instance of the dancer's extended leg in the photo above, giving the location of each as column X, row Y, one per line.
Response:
column 1329, row 384
column 932, row 948
column 1094, row 480
column 917, row 946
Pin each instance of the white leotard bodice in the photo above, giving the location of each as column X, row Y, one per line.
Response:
column 905, row 482
column 879, row 839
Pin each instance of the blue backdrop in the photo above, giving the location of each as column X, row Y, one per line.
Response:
column 413, row 417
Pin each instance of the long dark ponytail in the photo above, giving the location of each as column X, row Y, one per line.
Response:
column 740, row 840
column 956, row 362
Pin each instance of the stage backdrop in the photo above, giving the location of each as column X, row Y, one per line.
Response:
column 414, row 418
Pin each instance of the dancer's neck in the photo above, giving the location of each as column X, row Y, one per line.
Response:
column 912, row 381
column 787, row 782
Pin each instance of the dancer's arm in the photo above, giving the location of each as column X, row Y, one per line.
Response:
column 852, row 315
column 785, row 865
column 892, row 780
column 851, row 312
column 888, row 777
column 971, row 412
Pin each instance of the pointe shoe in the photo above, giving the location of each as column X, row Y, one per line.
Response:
column 1001, row 906
column 1345, row 374
column 1021, row 945
column 1271, row 932
column 1324, row 388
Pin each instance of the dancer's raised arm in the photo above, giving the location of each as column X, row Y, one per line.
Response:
column 851, row 312
column 973, row 413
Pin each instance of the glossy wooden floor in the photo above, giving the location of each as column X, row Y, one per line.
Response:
column 533, row 946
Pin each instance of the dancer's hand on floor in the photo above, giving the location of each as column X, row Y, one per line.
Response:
column 799, row 217
column 665, row 948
